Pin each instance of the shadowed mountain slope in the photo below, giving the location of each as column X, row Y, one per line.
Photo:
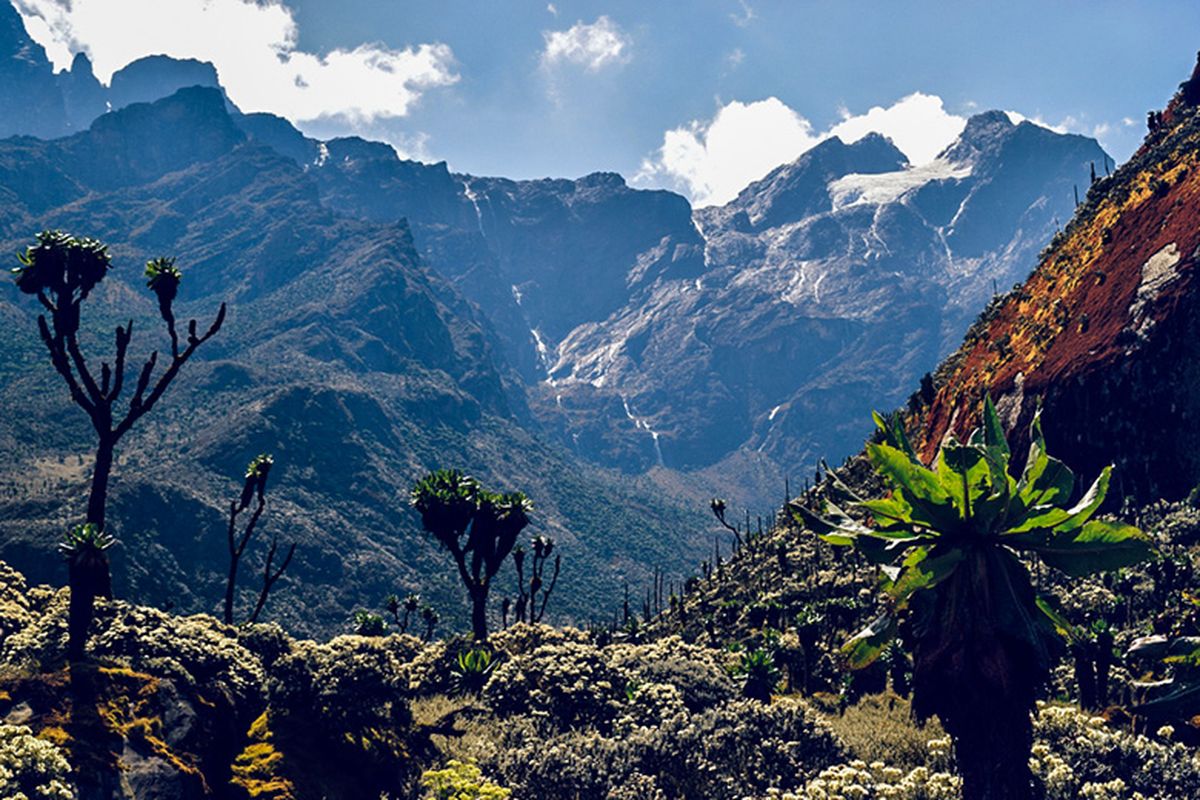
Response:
column 342, row 355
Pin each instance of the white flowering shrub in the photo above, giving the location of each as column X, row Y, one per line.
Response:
column 564, row 685
column 727, row 753
column 268, row 641
column 14, row 606
column 636, row 787
column 1078, row 755
column 348, row 682
column 196, row 651
column 526, row 637
column 431, row 671
column 32, row 768
column 648, row 706
column 858, row 780
column 42, row 637
column 738, row 748
column 697, row 672
column 581, row 765
column 1172, row 523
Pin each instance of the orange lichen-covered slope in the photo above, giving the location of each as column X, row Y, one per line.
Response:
column 1103, row 334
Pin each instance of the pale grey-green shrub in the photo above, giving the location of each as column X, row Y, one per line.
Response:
column 32, row 768
column 565, row 685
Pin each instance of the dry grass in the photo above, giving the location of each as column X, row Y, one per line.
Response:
column 881, row 728
column 478, row 728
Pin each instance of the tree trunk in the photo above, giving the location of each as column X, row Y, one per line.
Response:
column 992, row 746
column 79, row 614
column 1085, row 677
column 479, row 613
column 229, row 589
column 89, row 579
column 99, row 495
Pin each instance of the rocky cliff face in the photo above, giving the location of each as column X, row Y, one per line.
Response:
column 45, row 104
column 770, row 326
column 28, row 91
column 1102, row 334
column 828, row 286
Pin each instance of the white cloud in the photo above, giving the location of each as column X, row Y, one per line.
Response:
column 712, row 160
column 918, row 124
column 746, row 17
column 253, row 44
column 592, row 46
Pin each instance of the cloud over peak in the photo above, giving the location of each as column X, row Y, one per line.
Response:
column 712, row 160
column 254, row 46
column 592, row 46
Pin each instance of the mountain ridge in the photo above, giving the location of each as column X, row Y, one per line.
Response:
column 343, row 354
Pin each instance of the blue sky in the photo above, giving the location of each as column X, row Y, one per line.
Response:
column 701, row 97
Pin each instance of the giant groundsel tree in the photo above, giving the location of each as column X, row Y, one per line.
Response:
column 61, row 271
column 953, row 542
column 477, row 527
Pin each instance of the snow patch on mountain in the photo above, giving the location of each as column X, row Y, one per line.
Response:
column 888, row 187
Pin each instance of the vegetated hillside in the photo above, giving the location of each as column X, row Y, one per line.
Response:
column 342, row 355
column 175, row 707
column 1103, row 334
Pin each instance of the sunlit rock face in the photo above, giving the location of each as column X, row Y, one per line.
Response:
column 648, row 334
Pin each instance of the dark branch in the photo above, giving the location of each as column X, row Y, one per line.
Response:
column 270, row 577
column 123, row 336
column 137, row 406
column 59, row 359
column 549, row 589
column 84, row 374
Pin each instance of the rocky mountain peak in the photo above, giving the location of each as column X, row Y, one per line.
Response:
column 801, row 188
column 147, row 79
column 28, row 93
column 130, row 145
column 15, row 43
column 53, row 105
column 610, row 180
column 983, row 133
column 84, row 97
column 356, row 148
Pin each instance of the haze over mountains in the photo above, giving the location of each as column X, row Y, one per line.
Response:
column 390, row 316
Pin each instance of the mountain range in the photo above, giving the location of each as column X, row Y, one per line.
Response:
column 344, row 356
column 611, row 350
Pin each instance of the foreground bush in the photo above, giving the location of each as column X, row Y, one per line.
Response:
column 460, row 781
column 32, row 768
